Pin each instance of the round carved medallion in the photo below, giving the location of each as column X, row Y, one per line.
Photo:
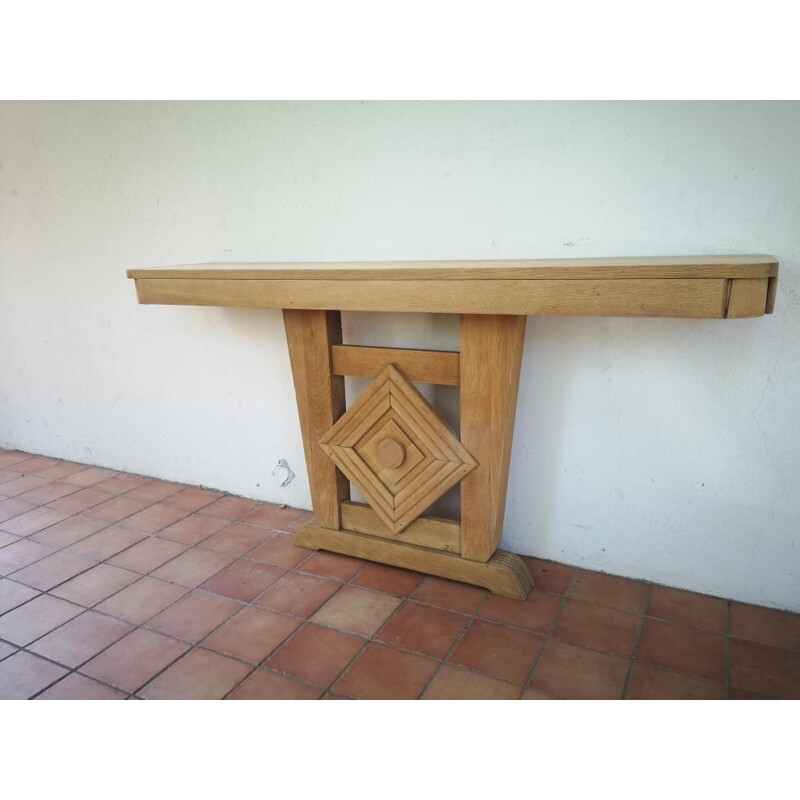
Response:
column 391, row 454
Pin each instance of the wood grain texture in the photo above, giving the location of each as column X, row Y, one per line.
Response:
column 424, row 366
column 491, row 356
column 505, row 573
column 433, row 458
column 719, row 266
column 747, row 298
column 432, row 532
column 698, row 298
column 320, row 402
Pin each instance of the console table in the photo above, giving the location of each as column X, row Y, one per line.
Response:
column 390, row 443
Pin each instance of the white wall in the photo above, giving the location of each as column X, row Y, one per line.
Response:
column 661, row 449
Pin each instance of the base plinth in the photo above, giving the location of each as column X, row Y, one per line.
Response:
column 504, row 573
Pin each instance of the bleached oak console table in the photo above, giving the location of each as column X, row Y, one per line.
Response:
column 390, row 443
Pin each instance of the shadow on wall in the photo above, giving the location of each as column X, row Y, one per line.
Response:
column 667, row 392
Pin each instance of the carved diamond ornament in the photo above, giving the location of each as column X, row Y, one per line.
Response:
column 391, row 444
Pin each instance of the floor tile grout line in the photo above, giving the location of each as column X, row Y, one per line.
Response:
column 307, row 620
column 635, row 652
column 52, row 683
column 372, row 639
column 194, row 646
column 67, row 547
column 684, row 625
column 191, row 648
column 121, row 520
column 244, row 607
column 94, row 655
column 78, row 554
column 613, row 608
column 148, row 574
column 593, row 648
column 198, row 546
column 46, row 504
column 368, row 641
column 38, row 473
column 443, row 662
column 188, row 548
column 189, row 590
column 460, row 638
column 28, row 536
column 144, row 625
column 302, row 626
column 548, row 636
column 19, row 495
column 259, row 666
column 70, row 671
column 85, row 609
column 140, row 626
column 14, row 649
column 10, row 575
column 160, row 672
column 94, row 563
column 273, row 671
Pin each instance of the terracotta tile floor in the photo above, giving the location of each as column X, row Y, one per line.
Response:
column 115, row 586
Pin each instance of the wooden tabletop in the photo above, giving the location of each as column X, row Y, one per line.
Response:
column 680, row 286
column 753, row 266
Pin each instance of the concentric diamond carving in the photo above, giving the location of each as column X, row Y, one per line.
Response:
column 391, row 444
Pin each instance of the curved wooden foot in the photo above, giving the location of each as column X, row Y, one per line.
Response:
column 504, row 573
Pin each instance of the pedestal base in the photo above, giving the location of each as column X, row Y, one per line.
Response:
column 504, row 573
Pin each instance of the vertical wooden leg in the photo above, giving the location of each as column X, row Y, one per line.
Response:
column 491, row 355
column 320, row 402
